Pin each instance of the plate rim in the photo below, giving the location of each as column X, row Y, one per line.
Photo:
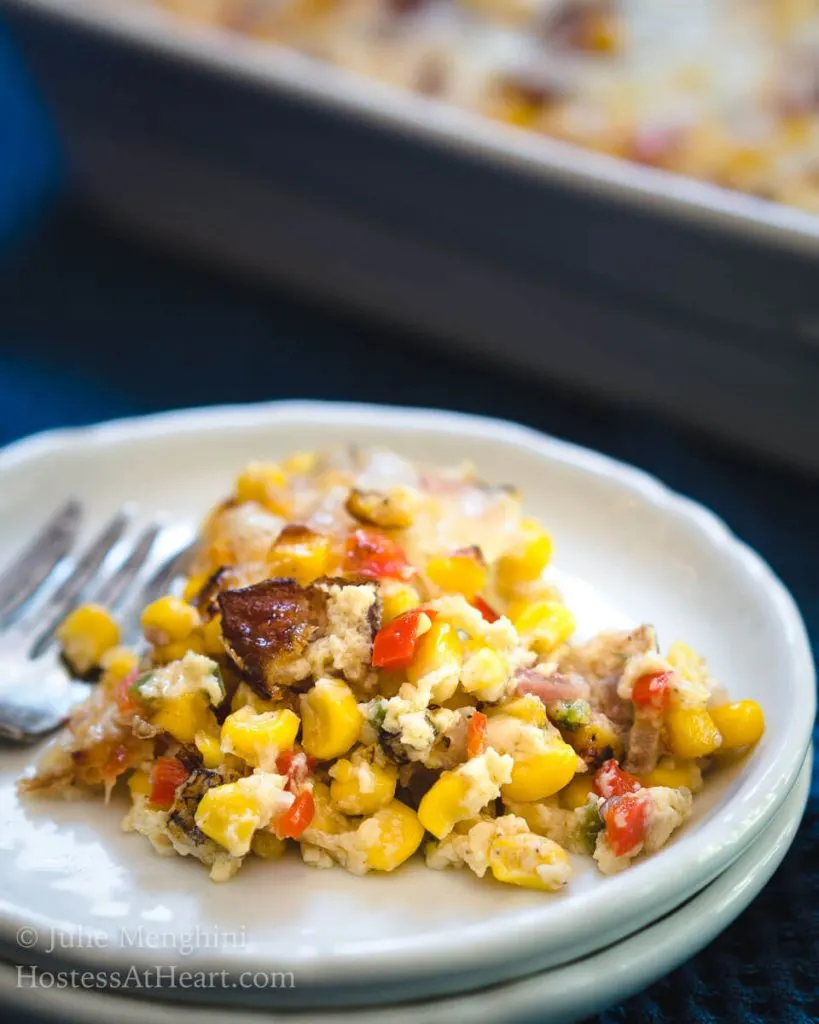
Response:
column 657, row 874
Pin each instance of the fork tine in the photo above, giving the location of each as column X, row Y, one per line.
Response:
column 158, row 583
column 28, row 573
column 115, row 587
column 58, row 604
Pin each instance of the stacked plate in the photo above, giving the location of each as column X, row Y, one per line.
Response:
column 77, row 893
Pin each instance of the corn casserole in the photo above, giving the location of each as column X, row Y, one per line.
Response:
column 367, row 659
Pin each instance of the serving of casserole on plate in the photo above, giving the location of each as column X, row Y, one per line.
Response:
column 366, row 653
column 376, row 661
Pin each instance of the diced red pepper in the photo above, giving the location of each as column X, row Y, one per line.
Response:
column 373, row 554
column 127, row 700
column 653, row 690
column 296, row 765
column 117, row 762
column 610, row 780
column 167, row 775
column 626, row 818
column 297, row 817
column 485, row 609
column 395, row 645
column 475, row 734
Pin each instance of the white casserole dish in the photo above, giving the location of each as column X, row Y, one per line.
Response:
column 641, row 286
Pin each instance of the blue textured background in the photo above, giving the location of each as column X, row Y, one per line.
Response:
column 93, row 325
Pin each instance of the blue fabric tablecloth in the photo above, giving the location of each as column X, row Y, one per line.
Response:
column 93, row 325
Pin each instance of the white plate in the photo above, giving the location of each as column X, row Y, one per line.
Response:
column 628, row 550
column 564, row 993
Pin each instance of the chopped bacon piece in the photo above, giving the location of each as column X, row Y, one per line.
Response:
column 556, row 686
column 267, row 628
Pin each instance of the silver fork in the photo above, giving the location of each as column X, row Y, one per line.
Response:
column 41, row 587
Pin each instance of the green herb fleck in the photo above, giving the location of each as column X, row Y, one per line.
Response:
column 378, row 712
column 135, row 689
column 589, row 826
column 217, row 673
column 569, row 714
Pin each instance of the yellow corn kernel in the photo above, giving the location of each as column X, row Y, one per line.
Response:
column 362, row 788
column 231, row 813
column 265, row 483
column 86, row 634
column 139, row 783
column 193, row 586
column 461, row 573
column 331, row 719
column 184, row 716
column 326, row 816
column 687, row 662
column 442, row 806
column 690, row 732
column 390, row 836
column 268, row 846
column 459, row 699
column 485, row 674
column 577, row 792
column 525, row 594
column 597, row 741
column 439, row 650
column 740, row 725
column 603, row 33
column 527, row 708
column 517, row 111
column 165, row 653
column 301, row 553
column 258, row 738
column 396, row 598
column 674, row 775
column 168, row 620
column 541, row 774
column 228, row 817
column 797, row 130
column 744, row 167
column 544, row 625
column 393, row 509
column 243, row 696
column 389, row 683
column 117, row 664
column 529, row 860
column 212, row 637
column 256, row 478
column 208, row 746
column 300, row 463
column 527, row 559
